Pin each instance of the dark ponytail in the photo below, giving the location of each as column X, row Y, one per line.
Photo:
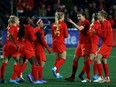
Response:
column 23, row 21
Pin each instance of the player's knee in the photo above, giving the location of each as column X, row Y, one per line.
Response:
column 104, row 61
column 5, row 60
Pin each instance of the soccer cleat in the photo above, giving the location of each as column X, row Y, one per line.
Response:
column 54, row 72
column 58, row 76
column 20, row 80
column 13, row 81
column 2, row 81
column 37, row 82
column 100, row 79
column 95, row 77
column 44, row 81
column 81, row 76
column 70, row 79
column 106, row 80
column 86, row 80
column 30, row 77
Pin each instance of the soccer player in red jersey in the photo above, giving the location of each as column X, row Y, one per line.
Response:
column 27, row 51
column 94, row 45
column 84, row 46
column 104, row 52
column 59, row 33
column 11, row 49
column 40, row 44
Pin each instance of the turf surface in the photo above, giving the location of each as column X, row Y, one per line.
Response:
column 65, row 70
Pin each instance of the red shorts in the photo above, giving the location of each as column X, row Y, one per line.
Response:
column 40, row 57
column 27, row 53
column 58, row 47
column 94, row 48
column 105, row 51
column 83, row 50
column 10, row 50
column 40, row 54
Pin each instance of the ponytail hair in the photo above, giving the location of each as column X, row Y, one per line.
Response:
column 12, row 19
column 59, row 15
column 23, row 22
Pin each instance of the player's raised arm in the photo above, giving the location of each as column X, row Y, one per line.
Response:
column 77, row 26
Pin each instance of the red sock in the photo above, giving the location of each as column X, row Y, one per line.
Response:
column 105, row 66
column 35, row 72
column 95, row 68
column 19, row 73
column 87, row 69
column 57, row 70
column 59, row 63
column 74, row 68
column 56, row 62
column 83, row 70
column 99, row 67
column 40, row 73
column 89, row 61
column 2, row 70
column 15, row 71
column 22, row 68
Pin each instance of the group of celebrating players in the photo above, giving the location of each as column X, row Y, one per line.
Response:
column 26, row 43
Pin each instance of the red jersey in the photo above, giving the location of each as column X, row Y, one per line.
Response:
column 41, row 43
column 63, row 30
column 94, row 37
column 84, row 36
column 9, row 47
column 14, row 31
column 29, row 37
column 106, row 33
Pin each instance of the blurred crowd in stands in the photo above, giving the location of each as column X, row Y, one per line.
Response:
column 47, row 8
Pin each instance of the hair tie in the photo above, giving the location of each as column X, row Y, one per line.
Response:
column 38, row 21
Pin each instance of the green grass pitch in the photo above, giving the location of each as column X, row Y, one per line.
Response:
column 65, row 70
